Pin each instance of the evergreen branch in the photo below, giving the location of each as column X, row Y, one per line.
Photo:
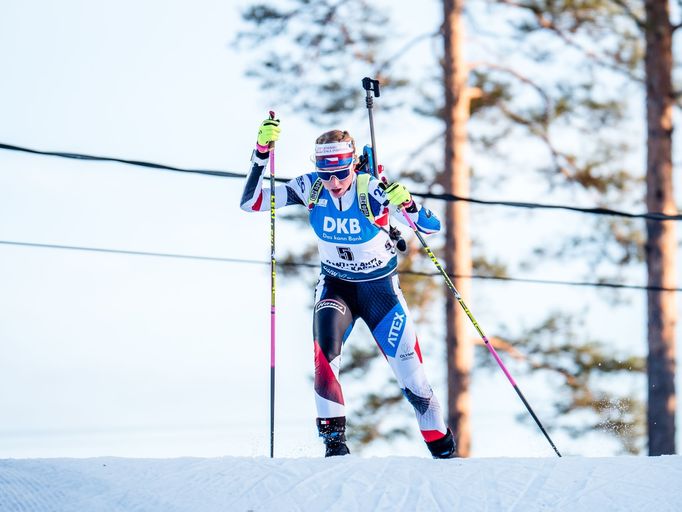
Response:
column 269, row 22
column 599, row 60
column 521, row 78
column 583, row 368
column 638, row 20
column 561, row 161
column 423, row 146
column 501, row 345
column 384, row 66
column 546, row 23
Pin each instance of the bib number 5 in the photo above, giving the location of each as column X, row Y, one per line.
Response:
column 345, row 253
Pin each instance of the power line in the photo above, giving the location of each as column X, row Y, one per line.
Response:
column 130, row 253
column 597, row 284
column 427, row 195
column 140, row 163
column 544, row 206
column 314, row 265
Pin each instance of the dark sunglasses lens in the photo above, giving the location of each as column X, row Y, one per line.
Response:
column 341, row 174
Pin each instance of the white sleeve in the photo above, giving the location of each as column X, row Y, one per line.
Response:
column 255, row 198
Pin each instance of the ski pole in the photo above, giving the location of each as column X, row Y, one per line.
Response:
column 371, row 87
column 491, row 349
column 272, row 294
column 451, row 285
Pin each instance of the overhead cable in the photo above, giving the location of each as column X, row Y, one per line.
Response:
column 427, row 195
column 597, row 284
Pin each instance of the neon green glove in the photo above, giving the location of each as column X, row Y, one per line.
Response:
column 397, row 194
column 267, row 133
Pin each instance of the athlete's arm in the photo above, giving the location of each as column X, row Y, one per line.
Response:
column 425, row 220
column 255, row 198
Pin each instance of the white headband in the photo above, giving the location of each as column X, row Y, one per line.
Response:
column 334, row 148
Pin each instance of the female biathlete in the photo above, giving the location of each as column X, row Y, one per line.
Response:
column 358, row 277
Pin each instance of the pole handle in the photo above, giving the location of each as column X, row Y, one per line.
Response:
column 271, row 144
column 371, row 85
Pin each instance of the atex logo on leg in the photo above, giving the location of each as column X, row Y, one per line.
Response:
column 396, row 329
column 341, row 226
column 390, row 331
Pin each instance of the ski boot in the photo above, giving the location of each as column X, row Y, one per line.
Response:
column 443, row 448
column 333, row 432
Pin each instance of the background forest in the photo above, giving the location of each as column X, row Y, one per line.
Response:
column 542, row 99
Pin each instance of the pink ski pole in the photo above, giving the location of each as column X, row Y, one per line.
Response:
column 272, row 295
column 372, row 86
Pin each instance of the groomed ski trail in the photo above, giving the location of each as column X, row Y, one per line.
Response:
column 350, row 483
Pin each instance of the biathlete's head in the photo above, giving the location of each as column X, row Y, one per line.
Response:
column 335, row 161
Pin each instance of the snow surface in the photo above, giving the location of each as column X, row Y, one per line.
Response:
column 347, row 483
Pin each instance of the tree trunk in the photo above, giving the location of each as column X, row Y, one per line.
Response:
column 661, row 244
column 457, row 242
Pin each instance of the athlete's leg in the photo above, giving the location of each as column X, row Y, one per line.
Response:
column 332, row 323
column 384, row 309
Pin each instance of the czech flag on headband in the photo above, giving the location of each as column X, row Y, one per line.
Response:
column 333, row 155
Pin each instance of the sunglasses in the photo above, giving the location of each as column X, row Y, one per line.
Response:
column 339, row 174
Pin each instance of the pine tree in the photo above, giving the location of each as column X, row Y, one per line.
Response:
column 661, row 242
column 634, row 38
column 457, row 248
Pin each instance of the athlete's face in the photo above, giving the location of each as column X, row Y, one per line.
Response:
column 337, row 187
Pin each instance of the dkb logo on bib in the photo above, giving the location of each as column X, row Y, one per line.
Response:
column 341, row 226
